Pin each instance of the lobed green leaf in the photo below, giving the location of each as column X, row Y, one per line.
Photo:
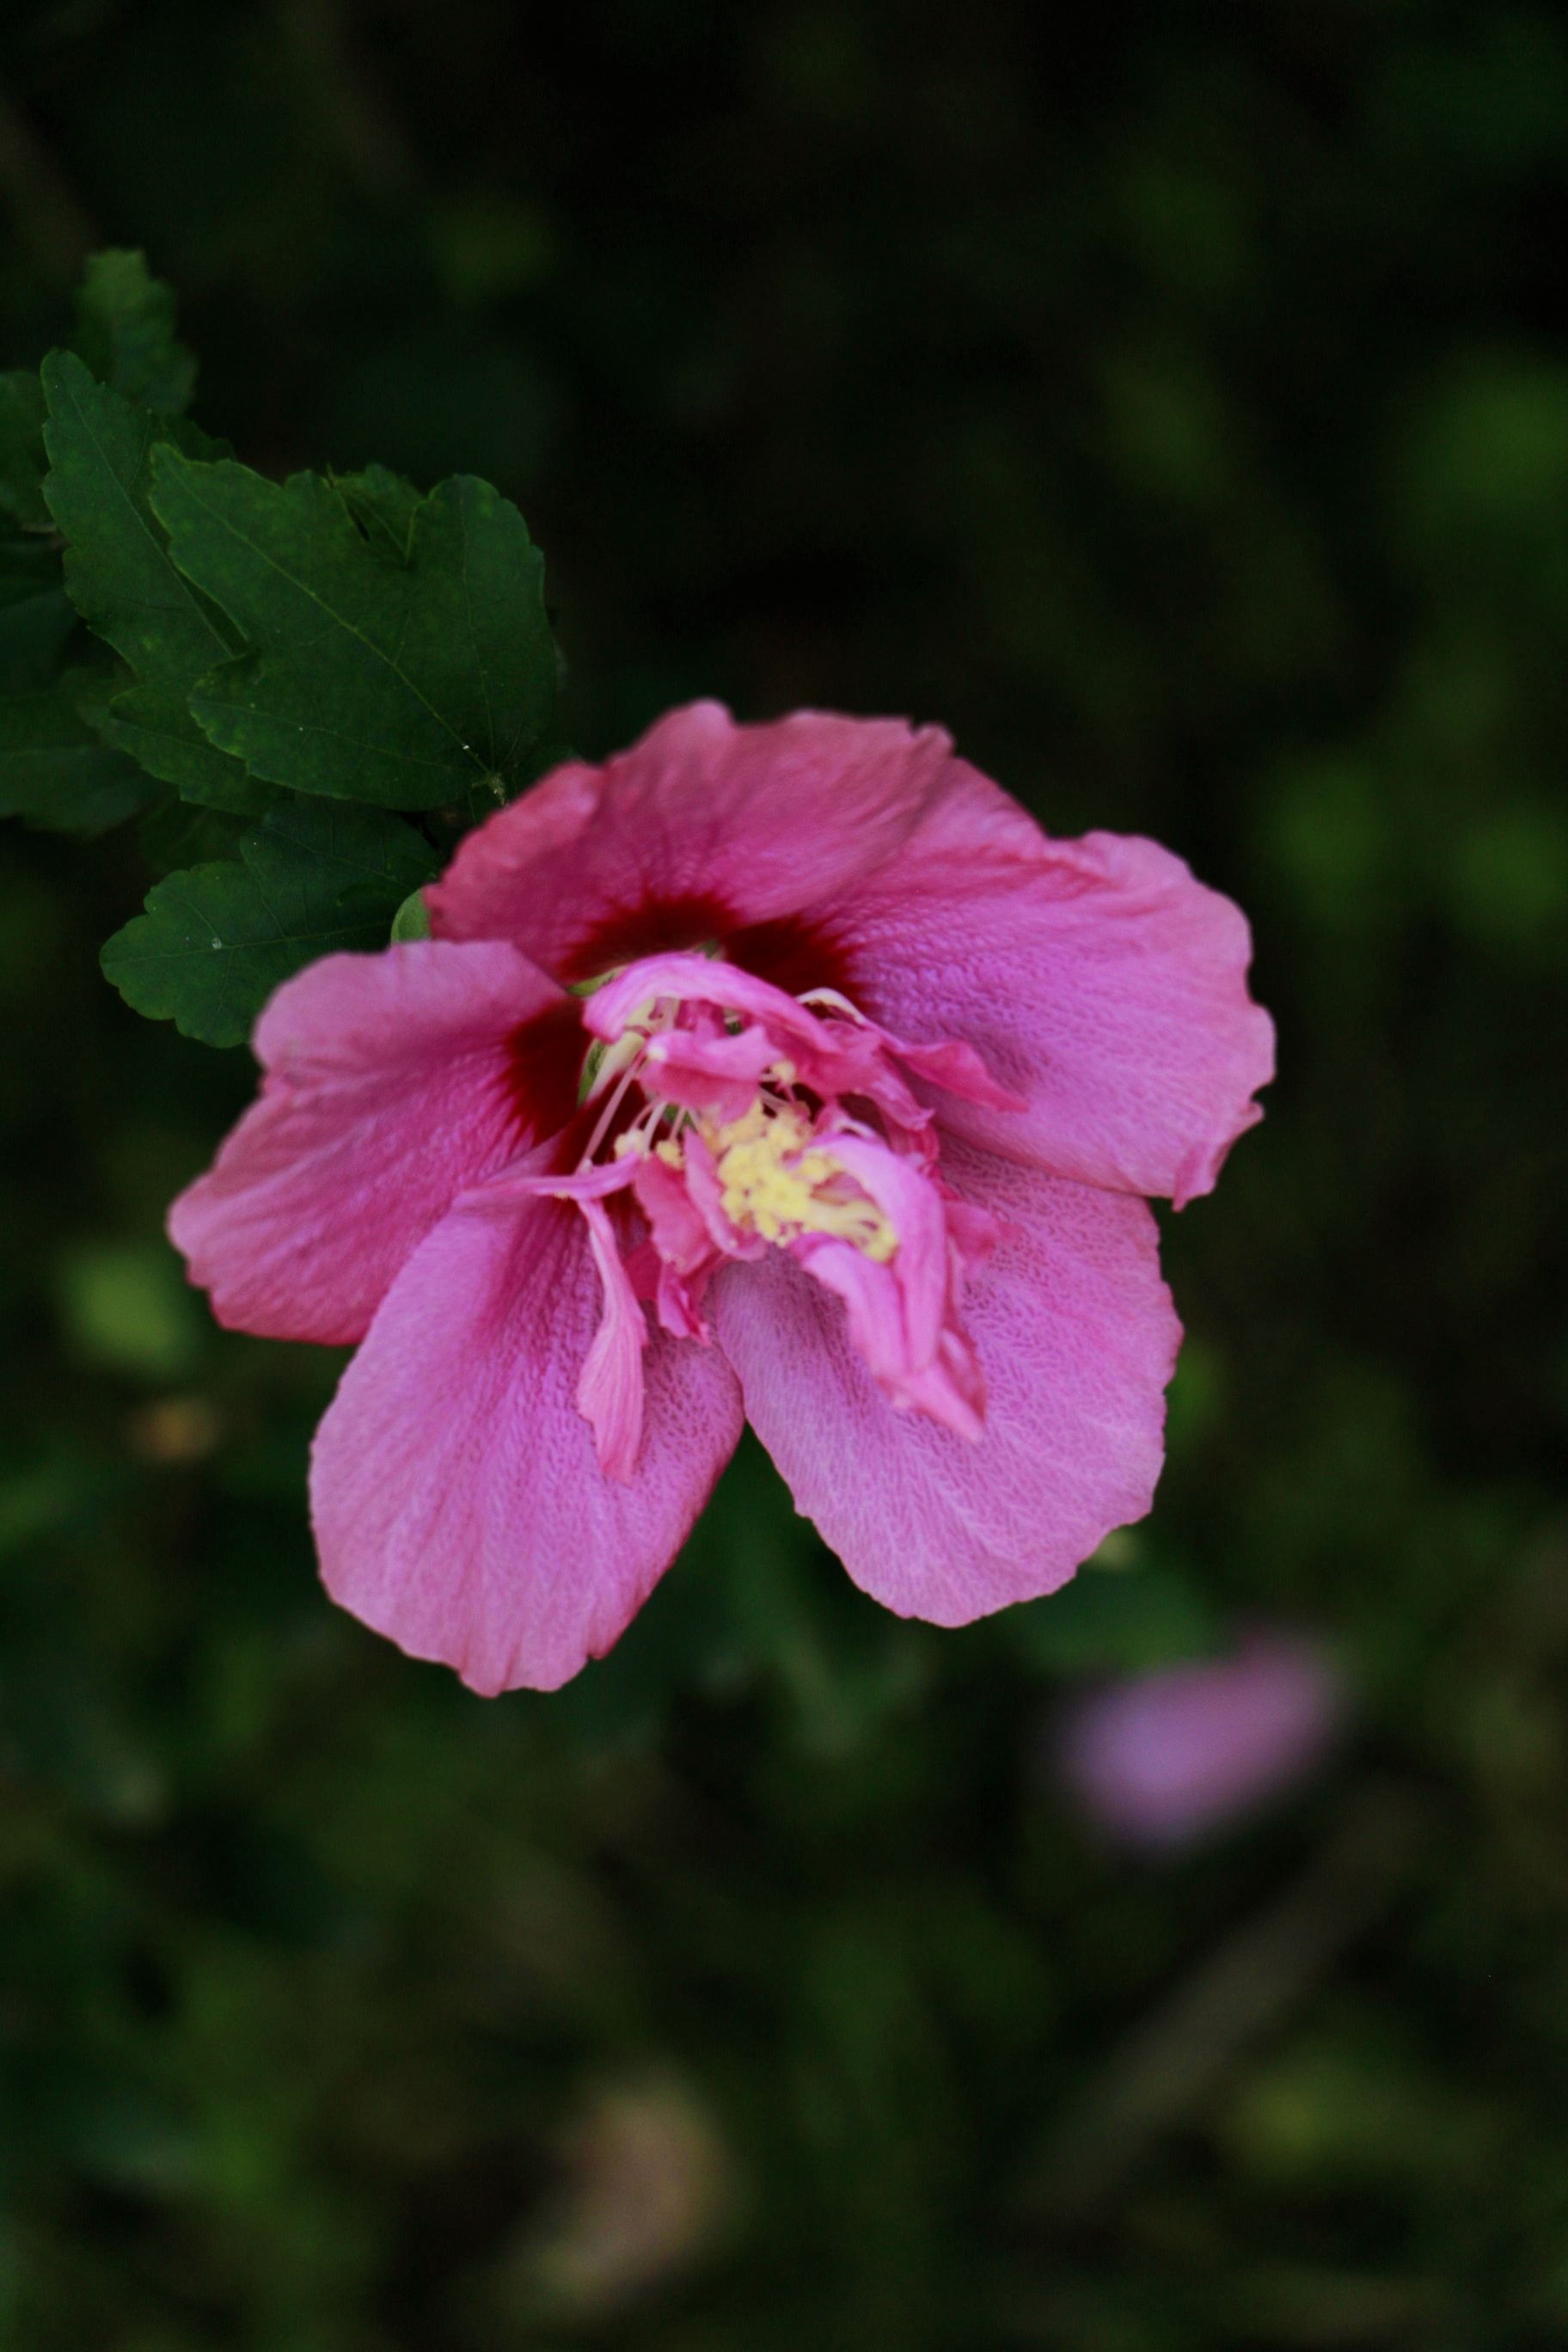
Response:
column 384, row 505
column 125, row 332
column 411, row 684
column 121, row 579
column 22, row 460
column 37, row 617
column 54, row 771
column 176, row 834
column 217, row 940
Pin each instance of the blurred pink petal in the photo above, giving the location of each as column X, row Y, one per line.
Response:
column 1160, row 1759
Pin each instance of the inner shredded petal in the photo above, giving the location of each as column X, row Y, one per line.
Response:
column 733, row 1119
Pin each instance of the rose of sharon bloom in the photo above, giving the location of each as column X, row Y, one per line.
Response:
column 785, row 1072
column 1160, row 1759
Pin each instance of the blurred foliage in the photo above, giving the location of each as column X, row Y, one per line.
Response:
column 1172, row 401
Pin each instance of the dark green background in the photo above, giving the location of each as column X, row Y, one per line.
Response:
column 1178, row 410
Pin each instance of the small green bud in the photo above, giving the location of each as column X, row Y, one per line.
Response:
column 412, row 920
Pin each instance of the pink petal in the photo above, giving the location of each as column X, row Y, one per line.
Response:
column 903, row 1316
column 1096, row 978
column 694, row 980
column 610, row 1385
column 832, row 1056
column 707, row 1197
column 958, row 1068
column 680, row 1228
column 458, row 1502
column 716, row 1075
column 1077, row 1338
column 701, row 826
column 393, row 1081
column 595, row 1182
column 1164, row 1758
column 944, row 1382
column 678, row 1301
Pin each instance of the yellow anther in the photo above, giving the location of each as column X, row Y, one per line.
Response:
column 636, row 1140
column 773, row 1181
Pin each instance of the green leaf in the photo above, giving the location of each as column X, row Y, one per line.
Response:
column 154, row 725
column 384, row 505
column 178, row 833
column 125, row 332
column 406, row 685
column 22, row 451
column 53, row 772
column 216, row 940
column 149, row 723
column 37, row 617
column 121, row 581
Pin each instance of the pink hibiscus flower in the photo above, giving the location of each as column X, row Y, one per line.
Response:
column 783, row 1072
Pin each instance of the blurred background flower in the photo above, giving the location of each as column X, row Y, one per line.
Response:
column 1160, row 1758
